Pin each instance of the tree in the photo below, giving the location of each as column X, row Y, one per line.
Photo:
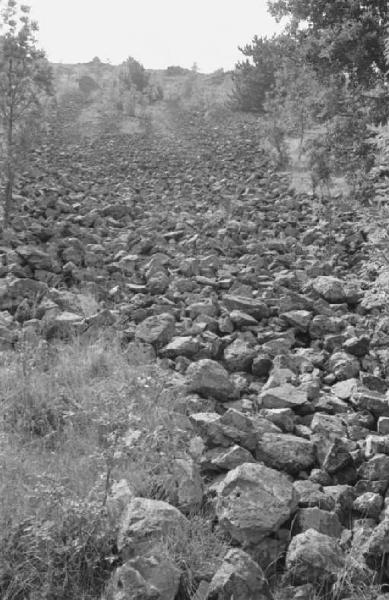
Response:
column 342, row 36
column 134, row 75
column 25, row 76
column 254, row 77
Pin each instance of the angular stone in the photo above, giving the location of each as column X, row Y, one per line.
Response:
column 285, row 452
column 369, row 505
column 316, row 558
column 145, row 578
column 320, row 520
column 335, row 291
column 239, row 355
column 283, row 396
column 376, row 468
column 226, row 459
column 238, row 577
column 300, row 319
column 208, row 378
column 255, row 308
column 261, row 365
column 376, row 403
column 157, row 330
column 311, row 494
column 254, row 501
column 181, row 346
column 145, row 522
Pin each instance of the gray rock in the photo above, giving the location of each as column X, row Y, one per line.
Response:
column 283, row 396
column 145, row 522
column 209, row 379
column 369, row 505
column 239, row 355
column 285, row 452
column 376, row 468
column 320, row 520
column 255, row 308
column 335, row 291
column 145, row 578
column 157, row 330
column 238, row 577
column 315, row 558
column 254, row 501
column 226, row 459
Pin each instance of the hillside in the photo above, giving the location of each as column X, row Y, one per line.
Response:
column 94, row 92
column 194, row 374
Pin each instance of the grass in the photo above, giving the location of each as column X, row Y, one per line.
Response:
column 74, row 418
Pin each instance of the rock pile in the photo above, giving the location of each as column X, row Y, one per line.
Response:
column 272, row 319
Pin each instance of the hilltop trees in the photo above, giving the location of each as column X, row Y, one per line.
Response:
column 25, row 77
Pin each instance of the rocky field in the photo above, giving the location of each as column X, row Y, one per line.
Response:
column 194, row 377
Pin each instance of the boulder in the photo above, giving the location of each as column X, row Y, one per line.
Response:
column 209, row 379
column 254, row 501
column 238, row 577
column 314, row 557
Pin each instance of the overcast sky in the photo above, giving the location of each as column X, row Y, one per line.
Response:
column 158, row 33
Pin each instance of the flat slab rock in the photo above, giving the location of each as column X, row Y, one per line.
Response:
column 283, row 396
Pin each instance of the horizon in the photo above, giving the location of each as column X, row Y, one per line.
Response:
column 156, row 35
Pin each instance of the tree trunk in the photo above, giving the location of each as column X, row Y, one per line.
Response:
column 10, row 168
column 8, row 193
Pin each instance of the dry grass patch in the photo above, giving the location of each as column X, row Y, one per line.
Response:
column 74, row 418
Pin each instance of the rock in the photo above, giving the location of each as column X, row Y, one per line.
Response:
column 261, row 365
column 337, row 457
column 181, row 346
column 255, row 308
column 283, row 396
column 369, row 505
column 241, row 319
column 320, row 520
column 145, row 578
column 300, row 319
column 376, row 468
column 314, row 557
column 285, row 452
column 311, row 494
column 239, row 355
column 358, row 346
column 376, row 403
column 145, row 522
column 335, row 290
column 383, row 425
column 208, row 378
column 187, row 491
column 254, row 501
column 238, row 577
column 343, row 365
column 157, row 330
column 220, row 459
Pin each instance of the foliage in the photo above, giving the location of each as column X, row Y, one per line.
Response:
column 25, row 77
column 87, row 85
column 254, row 77
column 133, row 75
column 175, row 70
column 339, row 36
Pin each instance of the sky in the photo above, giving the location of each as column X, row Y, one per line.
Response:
column 158, row 33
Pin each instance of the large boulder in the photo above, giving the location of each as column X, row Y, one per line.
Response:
column 254, row 501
